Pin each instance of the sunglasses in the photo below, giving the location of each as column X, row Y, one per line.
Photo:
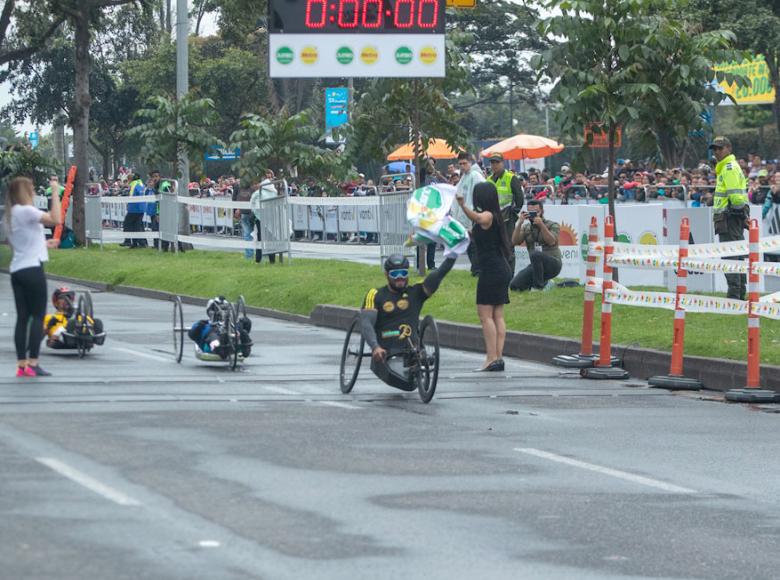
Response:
column 396, row 274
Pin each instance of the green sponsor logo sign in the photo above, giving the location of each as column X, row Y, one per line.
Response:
column 345, row 55
column 404, row 55
column 284, row 55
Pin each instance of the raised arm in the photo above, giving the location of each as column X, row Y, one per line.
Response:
column 483, row 218
column 433, row 280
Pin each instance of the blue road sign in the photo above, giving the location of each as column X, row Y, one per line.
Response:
column 336, row 107
column 215, row 153
column 34, row 139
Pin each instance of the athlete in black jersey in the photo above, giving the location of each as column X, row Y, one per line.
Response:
column 391, row 315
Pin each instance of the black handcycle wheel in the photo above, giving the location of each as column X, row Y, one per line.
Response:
column 234, row 337
column 240, row 308
column 88, row 305
column 429, row 359
column 81, row 326
column 351, row 356
column 178, row 329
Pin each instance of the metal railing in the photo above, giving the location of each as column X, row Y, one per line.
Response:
column 394, row 230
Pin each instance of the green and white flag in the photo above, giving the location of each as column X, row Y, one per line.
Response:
column 428, row 212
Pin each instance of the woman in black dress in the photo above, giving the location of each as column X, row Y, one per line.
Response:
column 494, row 252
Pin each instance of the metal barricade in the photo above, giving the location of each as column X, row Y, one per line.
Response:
column 394, row 230
column 168, row 218
column 93, row 219
column 274, row 225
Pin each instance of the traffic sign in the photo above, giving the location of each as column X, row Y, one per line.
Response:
column 356, row 38
column 34, row 139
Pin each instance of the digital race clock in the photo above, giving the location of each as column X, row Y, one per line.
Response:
column 357, row 16
column 356, row 38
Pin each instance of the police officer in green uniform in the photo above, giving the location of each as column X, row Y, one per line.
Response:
column 510, row 194
column 730, row 209
column 60, row 187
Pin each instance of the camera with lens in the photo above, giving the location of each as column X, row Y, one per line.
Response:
column 532, row 216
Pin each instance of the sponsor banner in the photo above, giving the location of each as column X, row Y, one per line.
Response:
column 574, row 222
column 348, row 218
column 641, row 225
column 368, row 219
column 209, row 217
column 316, row 218
column 196, row 215
column 331, row 219
column 299, row 217
column 356, row 55
column 758, row 92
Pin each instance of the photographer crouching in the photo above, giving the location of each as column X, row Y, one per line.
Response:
column 540, row 236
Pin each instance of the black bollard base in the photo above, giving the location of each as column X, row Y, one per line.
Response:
column 674, row 383
column 578, row 361
column 752, row 396
column 604, row 373
column 575, row 361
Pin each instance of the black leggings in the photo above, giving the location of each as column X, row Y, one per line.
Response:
column 29, row 287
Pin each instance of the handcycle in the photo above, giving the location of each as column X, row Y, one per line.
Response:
column 227, row 318
column 420, row 358
column 80, row 333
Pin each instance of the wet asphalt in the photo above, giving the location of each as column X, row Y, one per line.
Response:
column 128, row 465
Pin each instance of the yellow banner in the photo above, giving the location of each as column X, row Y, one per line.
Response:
column 461, row 3
column 760, row 91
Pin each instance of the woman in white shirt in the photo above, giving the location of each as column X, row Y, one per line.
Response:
column 26, row 236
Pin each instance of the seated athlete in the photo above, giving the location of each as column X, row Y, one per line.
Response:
column 391, row 314
column 210, row 335
column 61, row 326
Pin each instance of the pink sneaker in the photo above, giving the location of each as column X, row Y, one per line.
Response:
column 36, row 371
column 20, row 371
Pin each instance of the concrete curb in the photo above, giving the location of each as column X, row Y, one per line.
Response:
column 642, row 363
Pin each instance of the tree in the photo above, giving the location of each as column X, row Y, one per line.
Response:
column 166, row 124
column 498, row 37
column 34, row 27
column 606, row 67
column 21, row 160
column 289, row 142
column 84, row 16
column 756, row 24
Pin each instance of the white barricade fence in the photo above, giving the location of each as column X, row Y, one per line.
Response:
column 335, row 216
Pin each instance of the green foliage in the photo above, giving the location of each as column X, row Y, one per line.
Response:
column 626, row 63
column 21, row 160
column 167, row 124
column 285, row 141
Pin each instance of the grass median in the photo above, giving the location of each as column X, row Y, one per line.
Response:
column 299, row 286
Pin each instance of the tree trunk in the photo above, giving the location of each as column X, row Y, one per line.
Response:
column 80, row 123
column 106, row 162
column 773, row 66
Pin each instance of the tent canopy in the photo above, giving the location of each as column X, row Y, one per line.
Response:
column 437, row 149
column 524, row 147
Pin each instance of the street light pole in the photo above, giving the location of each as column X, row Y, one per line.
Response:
column 182, row 83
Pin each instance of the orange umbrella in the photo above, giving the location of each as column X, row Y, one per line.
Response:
column 525, row 147
column 437, row 149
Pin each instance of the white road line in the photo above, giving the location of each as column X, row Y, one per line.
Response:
column 337, row 404
column 142, row 354
column 282, row 391
column 649, row 482
column 87, row 481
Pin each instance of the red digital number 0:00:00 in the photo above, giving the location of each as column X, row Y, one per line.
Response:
column 371, row 13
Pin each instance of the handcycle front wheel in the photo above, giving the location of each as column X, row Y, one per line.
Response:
column 178, row 329
column 82, row 326
column 428, row 356
column 351, row 356
column 234, row 338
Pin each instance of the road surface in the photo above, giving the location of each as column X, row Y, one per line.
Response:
column 127, row 465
